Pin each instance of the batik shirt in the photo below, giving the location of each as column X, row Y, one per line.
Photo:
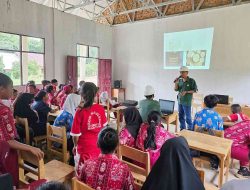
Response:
column 107, row 172
column 209, row 119
column 126, row 138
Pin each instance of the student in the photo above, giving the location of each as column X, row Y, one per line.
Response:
column 208, row 118
column 52, row 185
column 45, row 83
column 52, row 100
column 149, row 104
column 22, row 109
column 133, row 122
column 237, row 115
column 32, row 89
column 54, row 83
column 152, row 136
column 68, row 89
column 88, row 122
column 107, row 171
column 8, row 130
column 240, row 135
column 174, row 169
column 40, row 105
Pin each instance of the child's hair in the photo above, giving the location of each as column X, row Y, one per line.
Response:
column 108, row 140
column 236, row 108
column 41, row 94
column 15, row 91
column 53, row 81
column 49, row 88
column 5, row 80
column 52, row 185
column 154, row 119
column 211, row 101
column 32, row 85
column 45, row 82
column 61, row 86
column 31, row 82
column 88, row 93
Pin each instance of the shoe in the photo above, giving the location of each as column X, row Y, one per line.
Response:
column 214, row 164
column 243, row 173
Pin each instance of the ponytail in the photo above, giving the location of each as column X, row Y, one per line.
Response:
column 154, row 119
column 88, row 93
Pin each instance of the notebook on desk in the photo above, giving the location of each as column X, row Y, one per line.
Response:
column 167, row 106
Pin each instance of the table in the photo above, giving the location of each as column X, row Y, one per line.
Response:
column 213, row 145
column 118, row 110
column 171, row 119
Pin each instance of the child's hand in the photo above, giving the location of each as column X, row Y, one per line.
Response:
column 37, row 152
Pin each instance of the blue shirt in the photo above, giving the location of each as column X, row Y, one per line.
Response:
column 64, row 119
column 209, row 119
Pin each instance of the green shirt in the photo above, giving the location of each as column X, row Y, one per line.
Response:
column 146, row 106
column 188, row 85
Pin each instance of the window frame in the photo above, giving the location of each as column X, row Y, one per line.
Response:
column 21, row 53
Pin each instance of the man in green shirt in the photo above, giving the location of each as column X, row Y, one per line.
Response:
column 186, row 86
column 149, row 104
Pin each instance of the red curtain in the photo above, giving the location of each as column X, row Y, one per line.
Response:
column 72, row 70
column 105, row 75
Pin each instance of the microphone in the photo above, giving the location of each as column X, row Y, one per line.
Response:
column 177, row 79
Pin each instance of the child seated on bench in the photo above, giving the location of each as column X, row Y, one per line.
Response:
column 237, row 115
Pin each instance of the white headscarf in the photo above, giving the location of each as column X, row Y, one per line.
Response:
column 71, row 103
column 104, row 97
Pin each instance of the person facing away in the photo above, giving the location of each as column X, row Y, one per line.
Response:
column 52, row 185
column 133, row 122
column 68, row 89
column 149, row 104
column 152, row 136
column 237, row 115
column 107, row 171
column 185, row 86
column 8, row 132
column 88, row 122
column 207, row 117
column 174, row 169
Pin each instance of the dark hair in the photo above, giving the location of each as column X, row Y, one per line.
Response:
column 32, row 85
column 88, row 92
column 41, row 94
column 31, row 82
column 154, row 119
column 211, row 101
column 52, row 185
column 15, row 90
column 150, row 96
column 236, row 108
column 61, row 86
column 45, row 82
column 5, row 80
column 49, row 88
column 81, row 83
column 54, row 81
column 108, row 140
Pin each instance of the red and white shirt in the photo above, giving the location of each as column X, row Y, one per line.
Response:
column 238, row 117
column 87, row 124
column 7, row 124
column 107, row 172
column 126, row 138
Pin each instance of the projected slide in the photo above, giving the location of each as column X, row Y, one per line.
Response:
column 188, row 48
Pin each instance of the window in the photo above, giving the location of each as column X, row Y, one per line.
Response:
column 22, row 58
column 87, row 57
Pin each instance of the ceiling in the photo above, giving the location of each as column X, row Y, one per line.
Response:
column 113, row 12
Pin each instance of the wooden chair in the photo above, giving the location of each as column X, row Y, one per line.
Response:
column 138, row 186
column 139, row 173
column 78, row 185
column 37, row 139
column 57, row 135
column 197, row 103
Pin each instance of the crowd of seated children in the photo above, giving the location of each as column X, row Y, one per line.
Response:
column 67, row 89
column 149, row 104
column 106, row 171
column 8, row 132
column 45, row 83
column 42, row 108
column 152, row 136
column 88, row 122
column 130, row 131
column 237, row 115
column 23, row 109
column 174, row 169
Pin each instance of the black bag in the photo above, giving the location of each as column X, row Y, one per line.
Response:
column 130, row 103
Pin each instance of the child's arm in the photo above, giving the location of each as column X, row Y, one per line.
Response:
column 226, row 119
column 19, row 146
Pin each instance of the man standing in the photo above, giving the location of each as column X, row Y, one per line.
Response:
column 186, row 87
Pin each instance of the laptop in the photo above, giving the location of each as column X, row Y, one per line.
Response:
column 167, row 106
column 223, row 99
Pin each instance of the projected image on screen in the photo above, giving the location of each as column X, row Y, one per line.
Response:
column 188, row 48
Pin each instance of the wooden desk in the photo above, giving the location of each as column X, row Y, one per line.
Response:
column 171, row 119
column 210, row 144
column 118, row 110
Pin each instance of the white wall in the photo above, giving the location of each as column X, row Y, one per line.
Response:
column 61, row 31
column 138, row 54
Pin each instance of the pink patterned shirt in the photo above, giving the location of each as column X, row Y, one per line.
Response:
column 107, row 172
column 161, row 135
column 126, row 138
